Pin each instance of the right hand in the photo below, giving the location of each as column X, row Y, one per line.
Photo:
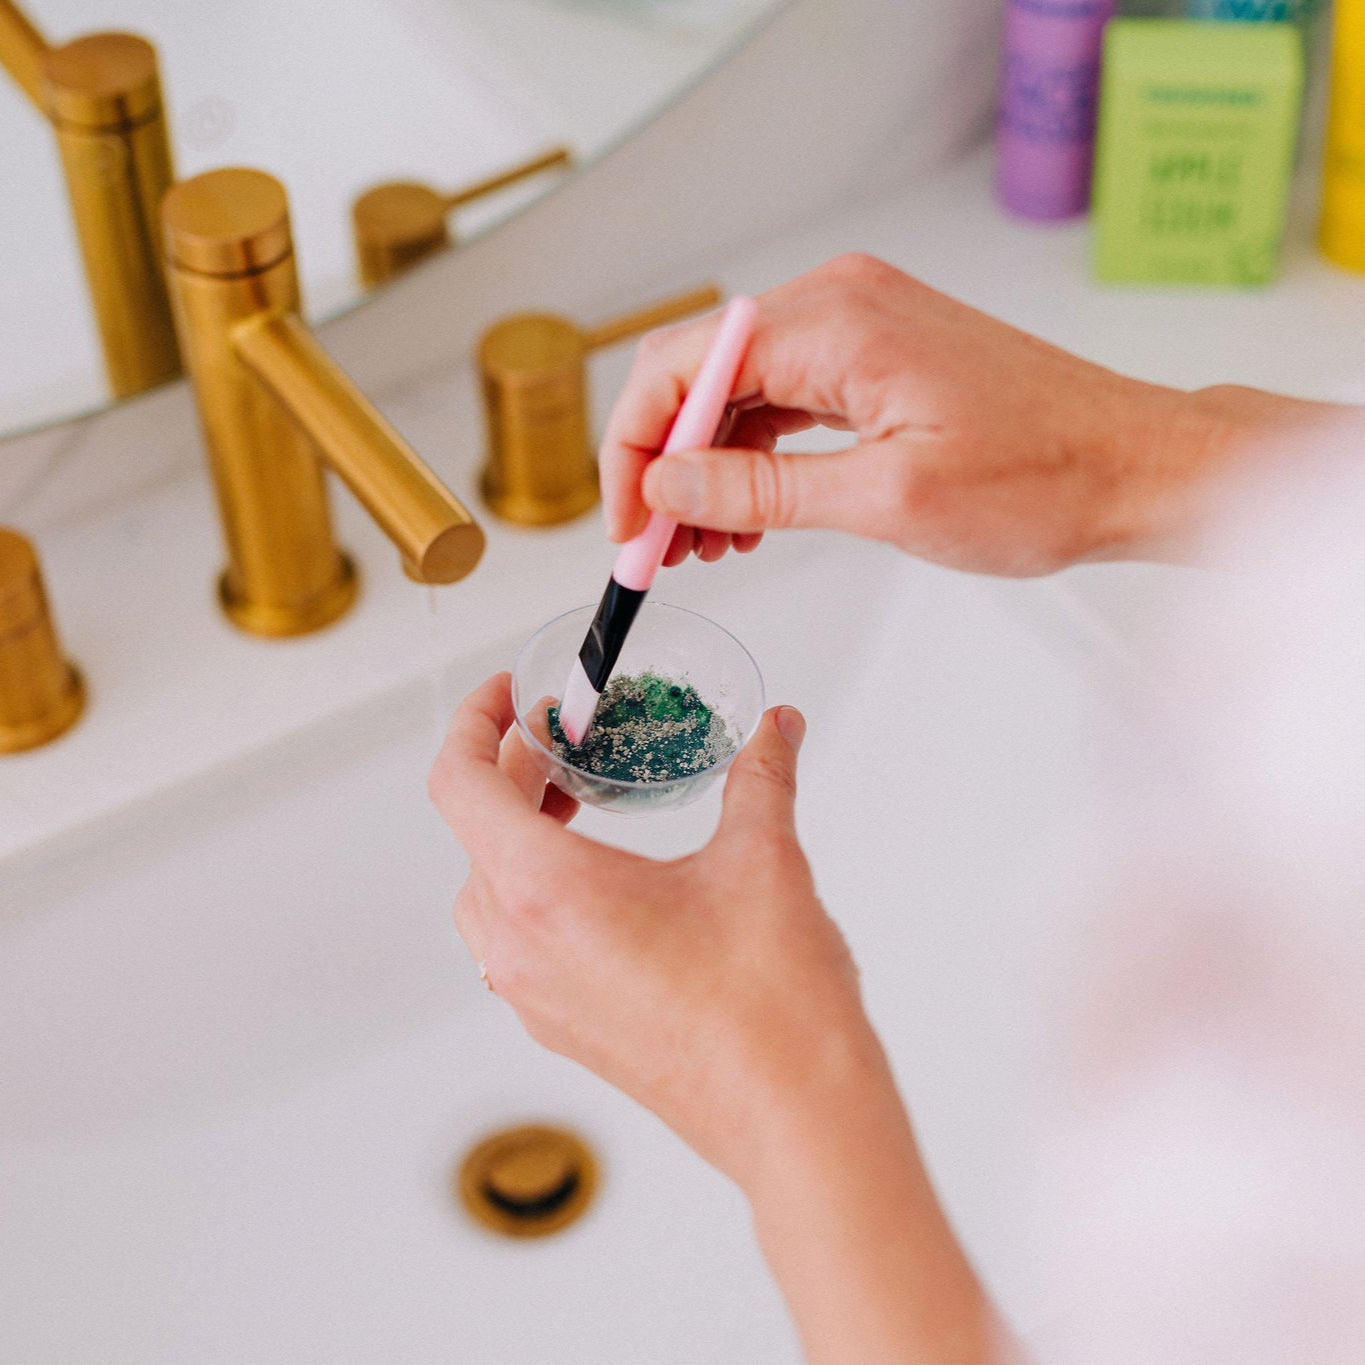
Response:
column 978, row 446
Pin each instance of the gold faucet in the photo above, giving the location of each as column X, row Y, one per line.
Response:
column 41, row 694
column 399, row 223
column 273, row 405
column 102, row 95
column 534, row 373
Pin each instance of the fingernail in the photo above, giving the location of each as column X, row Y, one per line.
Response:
column 791, row 725
column 677, row 486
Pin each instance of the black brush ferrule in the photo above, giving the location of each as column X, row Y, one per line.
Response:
column 602, row 645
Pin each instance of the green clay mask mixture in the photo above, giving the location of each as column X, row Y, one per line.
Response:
column 647, row 729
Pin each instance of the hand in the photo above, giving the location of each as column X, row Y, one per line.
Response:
column 978, row 446
column 713, row 989
column 716, row 991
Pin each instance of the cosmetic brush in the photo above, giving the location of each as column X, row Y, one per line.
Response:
column 638, row 560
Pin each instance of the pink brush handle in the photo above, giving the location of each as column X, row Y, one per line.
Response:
column 694, row 428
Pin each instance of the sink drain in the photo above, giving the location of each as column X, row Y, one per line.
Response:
column 528, row 1181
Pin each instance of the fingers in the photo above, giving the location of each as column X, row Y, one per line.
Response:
column 805, row 364
column 761, row 787
column 483, row 805
column 665, row 364
column 750, row 491
column 520, row 764
column 761, row 428
column 684, row 538
column 711, row 545
column 517, row 761
column 757, row 428
column 622, row 466
column 538, row 720
column 558, row 805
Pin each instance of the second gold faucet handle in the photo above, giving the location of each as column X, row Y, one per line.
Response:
column 652, row 315
column 545, row 161
column 402, row 222
column 396, row 225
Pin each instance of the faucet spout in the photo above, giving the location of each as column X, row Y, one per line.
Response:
column 438, row 539
column 275, row 408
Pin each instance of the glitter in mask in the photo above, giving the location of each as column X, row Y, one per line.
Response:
column 647, row 729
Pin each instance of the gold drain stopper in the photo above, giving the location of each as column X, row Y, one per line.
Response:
column 528, row 1181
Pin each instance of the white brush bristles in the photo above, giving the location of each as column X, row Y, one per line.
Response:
column 579, row 705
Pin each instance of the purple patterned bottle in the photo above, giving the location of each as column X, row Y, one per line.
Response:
column 1049, row 89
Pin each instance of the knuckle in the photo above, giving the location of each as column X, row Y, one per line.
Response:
column 855, row 266
column 762, row 489
column 857, row 275
column 772, row 490
column 908, row 486
column 862, row 345
column 524, row 906
column 654, row 346
column 647, row 351
column 521, row 897
column 511, row 976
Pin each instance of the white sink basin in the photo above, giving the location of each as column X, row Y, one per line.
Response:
column 241, row 1048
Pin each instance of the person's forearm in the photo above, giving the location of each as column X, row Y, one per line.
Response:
column 854, row 1233
column 1174, row 450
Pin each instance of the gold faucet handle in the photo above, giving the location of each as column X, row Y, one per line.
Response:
column 545, row 161
column 652, row 315
column 23, row 52
column 399, row 223
column 41, row 695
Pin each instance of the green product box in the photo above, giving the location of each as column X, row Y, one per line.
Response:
column 1195, row 151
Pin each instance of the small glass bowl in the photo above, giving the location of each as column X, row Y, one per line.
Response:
column 668, row 641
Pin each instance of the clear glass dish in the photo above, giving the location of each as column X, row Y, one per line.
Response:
column 671, row 642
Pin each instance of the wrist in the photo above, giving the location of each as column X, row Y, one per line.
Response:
column 1172, row 450
column 852, row 1228
column 824, row 1090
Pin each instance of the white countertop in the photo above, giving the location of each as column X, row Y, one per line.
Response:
column 175, row 691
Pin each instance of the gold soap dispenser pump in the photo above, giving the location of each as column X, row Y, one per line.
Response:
column 533, row 368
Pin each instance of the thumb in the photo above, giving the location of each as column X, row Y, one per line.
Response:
column 757, row 490
column 761, row 788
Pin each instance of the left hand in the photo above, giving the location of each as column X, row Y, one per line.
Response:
column 714, row 989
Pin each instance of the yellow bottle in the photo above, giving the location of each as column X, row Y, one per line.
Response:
column 1341, row 234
